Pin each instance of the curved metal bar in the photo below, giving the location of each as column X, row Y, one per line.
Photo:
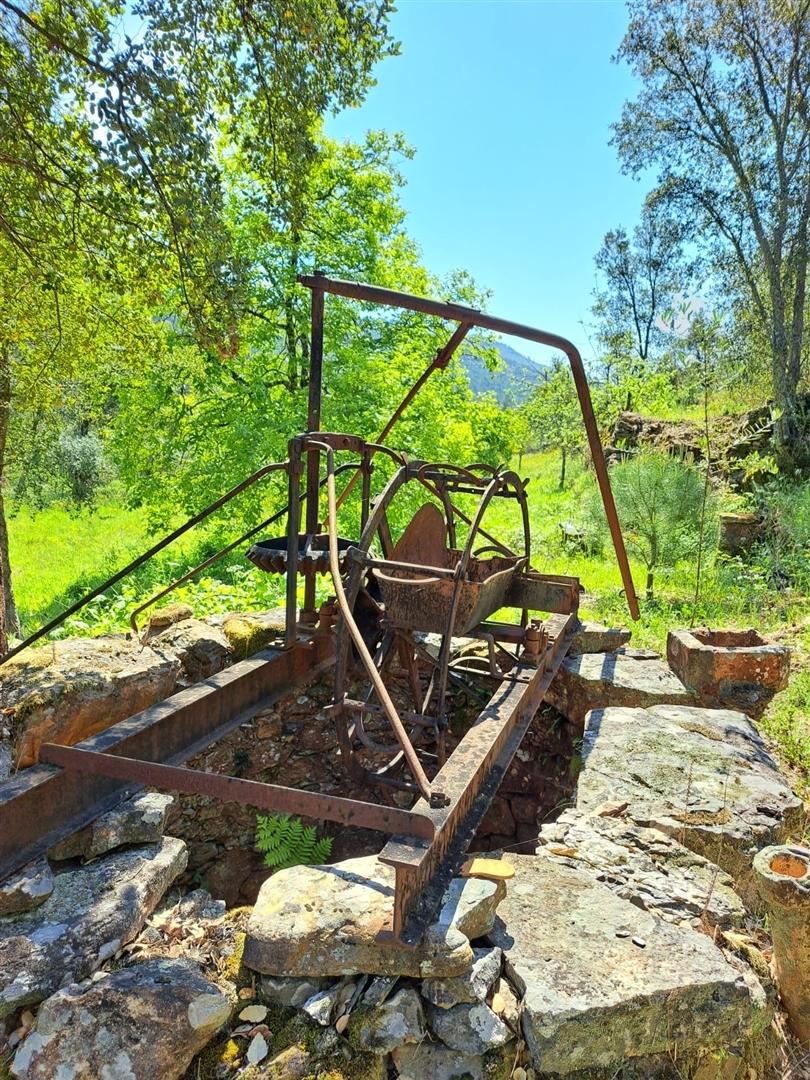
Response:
column 463, row 314
column 411, row 758
column 461, row 570
column 152, row 551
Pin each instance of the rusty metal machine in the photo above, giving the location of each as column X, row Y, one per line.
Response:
column 393, row 606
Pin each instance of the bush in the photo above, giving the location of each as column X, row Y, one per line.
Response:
column 81, row 458
column 660, row 501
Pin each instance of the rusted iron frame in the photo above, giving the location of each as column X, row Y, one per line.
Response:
column 498, row 481
column 223, row 551
column 460, row 313
column 130, row 567
column 470, row 777
column 273, row 797
column 42, row 805
column 411, row 758
column 314, row 424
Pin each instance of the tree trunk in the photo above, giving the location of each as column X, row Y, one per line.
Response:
column 562, row 469
column 9, row 623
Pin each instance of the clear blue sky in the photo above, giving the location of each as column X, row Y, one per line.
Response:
column 508, row 105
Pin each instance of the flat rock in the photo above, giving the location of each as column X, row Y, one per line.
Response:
column 398, row 1021
column 435, row 1061
column 139, row 820
column 472, row 986
column 248, row 632
column 702, row 776
column 202, row 649
column 325, row 920
column 27, row 888
column 601, row 680
column 67, row 690
column 138, row 1023
column 92, row 911
column 469, row 1029
column 645, row 866
column 603, row 981
column 592, row 637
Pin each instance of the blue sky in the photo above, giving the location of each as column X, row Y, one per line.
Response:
column 508, row 105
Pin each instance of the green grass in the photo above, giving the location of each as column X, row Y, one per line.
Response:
column 52, row 549
column 59, row 555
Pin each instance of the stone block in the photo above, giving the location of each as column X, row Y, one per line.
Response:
column 202, row 650
column 139, row 820
column 604, row 680
column 326, row 920
column 735, row 668
column 645, row 866
column 604, row 982
column 65, row 691
column 592, row 637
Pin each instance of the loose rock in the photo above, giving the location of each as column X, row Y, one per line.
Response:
column 138, row 1023
column 435, row 1061
column 139, row 820
column 399, row 1021
column 290, row 993
column 473, row 986
column 92, row 912
column 202, row 650
column 471, row 1029
column 27, row 888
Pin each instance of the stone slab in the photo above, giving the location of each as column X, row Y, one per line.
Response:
column 138, row 1023
column 139, row 820
column 603, row 680
column 645, row 866
column 92, row 911
column 593, row 637
column 202, row 650
column 65, row 691
column 604, row 981
column 326, row 920
column 702, row 776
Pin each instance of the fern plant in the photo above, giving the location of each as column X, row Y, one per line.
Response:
column 286, row 841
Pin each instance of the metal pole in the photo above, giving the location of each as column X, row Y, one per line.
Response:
column 314, row 424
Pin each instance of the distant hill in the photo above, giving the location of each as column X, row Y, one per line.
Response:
column 511, row 384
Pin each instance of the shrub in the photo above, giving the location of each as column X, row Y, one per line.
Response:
column 660, row 504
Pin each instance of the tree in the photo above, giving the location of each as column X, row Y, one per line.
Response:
column 723, row 113
column 663, row 508
column 111, row 181
column 639, row 277
column 553, row 415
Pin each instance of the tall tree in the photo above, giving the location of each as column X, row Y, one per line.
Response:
column 639, row 275
column 110, row 176
column 723, row 113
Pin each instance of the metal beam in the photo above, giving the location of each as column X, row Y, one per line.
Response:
column 284, row 800
column 44, row 804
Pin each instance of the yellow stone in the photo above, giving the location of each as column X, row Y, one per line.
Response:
column 490, row 869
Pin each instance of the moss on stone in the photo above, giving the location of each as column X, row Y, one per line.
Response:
column 247, row 636
column 216, row 1060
